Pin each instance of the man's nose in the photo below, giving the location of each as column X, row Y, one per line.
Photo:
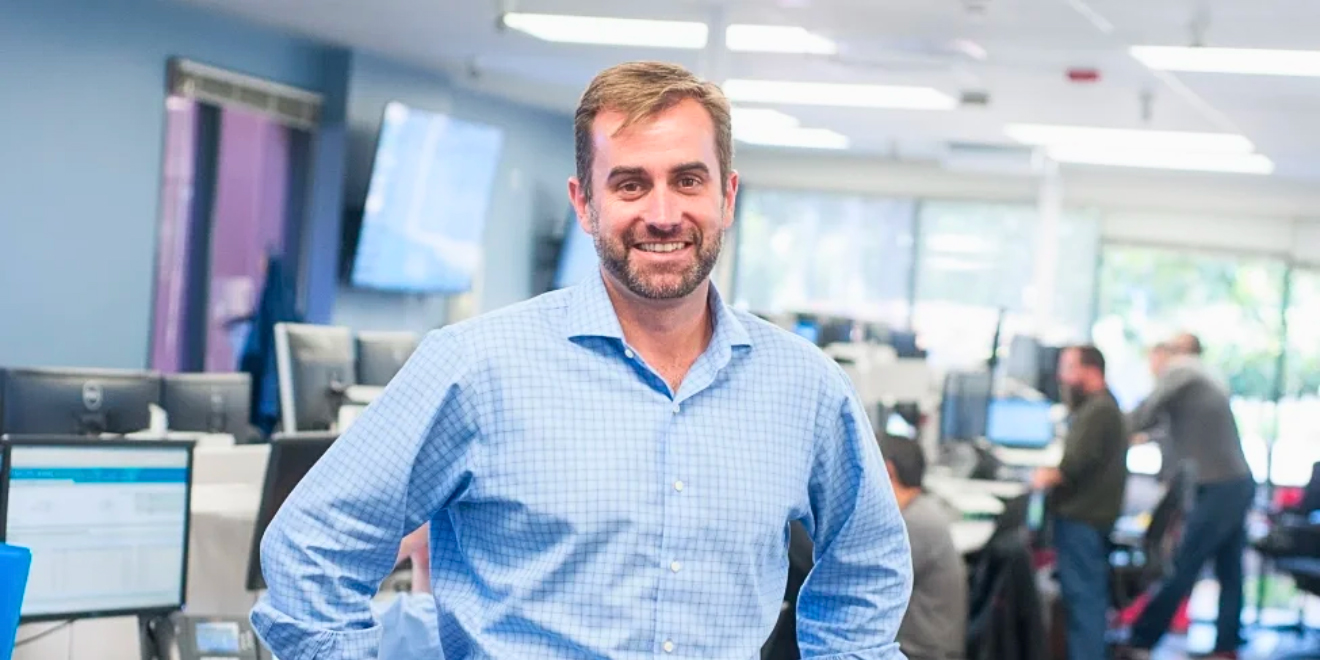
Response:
column 662, row 213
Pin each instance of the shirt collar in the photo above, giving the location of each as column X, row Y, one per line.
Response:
column 591, row 314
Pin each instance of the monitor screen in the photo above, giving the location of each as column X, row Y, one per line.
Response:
column 426, row 205
column 381, row 355
column 577, row 257
column 106, row 521
column 209, row 403
column 1019, row 423
column 808, row 330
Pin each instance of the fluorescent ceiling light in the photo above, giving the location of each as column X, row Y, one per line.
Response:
column 1165, row 160
column 1114, row 139
column 777, row 39
column 609, row 31
column 767, row 127
column 762, row 119
column 802, row 138
column 1252, row 61
column 841, row 95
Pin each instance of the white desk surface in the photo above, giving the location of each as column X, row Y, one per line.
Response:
column 971, row 535
column 1047, row 457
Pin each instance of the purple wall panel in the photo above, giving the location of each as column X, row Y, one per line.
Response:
column 172, row 239
column 247, row 223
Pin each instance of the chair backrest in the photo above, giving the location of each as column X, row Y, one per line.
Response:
column 1311, row 497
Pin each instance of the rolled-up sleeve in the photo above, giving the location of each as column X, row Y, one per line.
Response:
column 337, row 535
column 854, row 599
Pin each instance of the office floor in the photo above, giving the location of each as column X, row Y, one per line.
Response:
column 1263, row 644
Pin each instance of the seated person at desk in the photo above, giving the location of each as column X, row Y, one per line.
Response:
column 1087, row 497
column 934, row 627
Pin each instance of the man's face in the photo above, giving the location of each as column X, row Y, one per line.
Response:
column 658, row 210
column 1072, row 376
column 1159, row 359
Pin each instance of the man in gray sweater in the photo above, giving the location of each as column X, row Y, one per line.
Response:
column 1204, row 438
column 935, row 626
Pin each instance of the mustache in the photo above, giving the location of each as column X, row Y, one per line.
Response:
column 686, row 235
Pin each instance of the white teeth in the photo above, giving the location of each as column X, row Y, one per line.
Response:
column 660, row 247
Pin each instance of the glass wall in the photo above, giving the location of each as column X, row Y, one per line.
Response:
column 975, row 259
column 1298, row 444
column 1232, row 302
column 828, row 253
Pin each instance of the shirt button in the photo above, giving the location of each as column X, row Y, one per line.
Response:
column 675, row 566
column 678, row 486
column 628, row 354
column 669, row 646
column 677, row 407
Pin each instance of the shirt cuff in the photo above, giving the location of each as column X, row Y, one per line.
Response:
column 886, row 652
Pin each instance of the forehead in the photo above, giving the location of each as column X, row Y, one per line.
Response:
column 682, row 133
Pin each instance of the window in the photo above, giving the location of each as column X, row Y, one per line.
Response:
column 826, row 253
column 1231, row 302
column 1298, row 444
column 975, row 259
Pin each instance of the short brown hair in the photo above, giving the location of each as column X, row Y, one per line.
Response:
column 641, row 90
column 1089, row 356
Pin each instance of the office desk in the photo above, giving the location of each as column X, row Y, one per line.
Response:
column 971, row 535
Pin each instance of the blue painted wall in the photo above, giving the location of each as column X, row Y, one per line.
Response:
column 81, row 127
column 530, row 190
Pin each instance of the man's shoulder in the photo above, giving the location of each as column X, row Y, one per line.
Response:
column 786, row 352
column 536, row 317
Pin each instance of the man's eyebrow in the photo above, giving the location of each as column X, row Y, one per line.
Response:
column 694, row 166
column 619, row 172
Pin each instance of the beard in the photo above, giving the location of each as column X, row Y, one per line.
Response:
column 614, row 257
column 1073, row 396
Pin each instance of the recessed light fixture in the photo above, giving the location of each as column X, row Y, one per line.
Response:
column 762, row 119
column 1251, row 61
column 836, row 94
column 777, row 39
column 1048, row 135
column 1168, row 160
column 609, row 31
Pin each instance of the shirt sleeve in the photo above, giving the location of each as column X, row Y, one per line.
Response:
column 853, row 601
column 337, row 535
column 1147, row 414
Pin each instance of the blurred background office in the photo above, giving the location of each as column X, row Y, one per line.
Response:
column 230, row 221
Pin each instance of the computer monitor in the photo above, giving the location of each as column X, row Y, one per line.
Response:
column 966, row 397
column 209, row 403
column 1047, row 380
column 1020, row 423
column 808, row 329
column 905, row 344
column 380, row 355
column 835, row 331
column 316, row 364
column 1023, row 363
column 291, row 458
column 77, row 401
column 106, row 520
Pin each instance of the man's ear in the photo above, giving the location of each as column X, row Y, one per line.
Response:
column 730, row 199
column 577, row 196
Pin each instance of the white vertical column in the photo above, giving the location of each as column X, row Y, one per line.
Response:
column 1049, row 204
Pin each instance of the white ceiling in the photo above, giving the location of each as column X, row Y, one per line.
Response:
column 1030, row 44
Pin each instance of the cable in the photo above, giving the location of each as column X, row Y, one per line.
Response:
column 45, row 633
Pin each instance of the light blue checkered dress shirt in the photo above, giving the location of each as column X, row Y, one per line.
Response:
column 581, row 509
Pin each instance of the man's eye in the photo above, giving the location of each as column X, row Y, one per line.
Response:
column 689, row 182
column 630, row 187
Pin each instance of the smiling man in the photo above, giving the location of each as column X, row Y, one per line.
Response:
column 609, row 471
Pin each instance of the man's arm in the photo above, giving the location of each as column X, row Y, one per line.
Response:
column 337, row 535
column 1147, row 414
column 854, row 599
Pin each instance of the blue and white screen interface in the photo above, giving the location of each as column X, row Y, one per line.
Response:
column 427, row 202
column 106, row 527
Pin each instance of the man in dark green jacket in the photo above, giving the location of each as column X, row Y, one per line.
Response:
column 1086, row 497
